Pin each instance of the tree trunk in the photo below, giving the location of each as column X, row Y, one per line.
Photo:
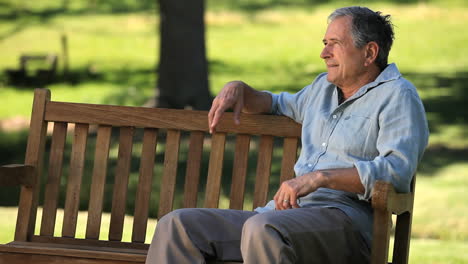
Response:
column 183, row 70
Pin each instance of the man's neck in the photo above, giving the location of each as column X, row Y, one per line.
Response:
column 367, row 77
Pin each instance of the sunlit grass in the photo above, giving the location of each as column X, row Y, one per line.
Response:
column 441, row 206
column 264, row 48
column 275, row 48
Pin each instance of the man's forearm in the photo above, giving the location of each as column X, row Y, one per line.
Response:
column 256, row 102
column 340, row 179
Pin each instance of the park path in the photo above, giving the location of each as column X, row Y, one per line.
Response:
column 14, row 124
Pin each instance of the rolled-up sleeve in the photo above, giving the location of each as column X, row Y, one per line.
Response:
column 403, row 136
column 289, row 105
column 292, row 105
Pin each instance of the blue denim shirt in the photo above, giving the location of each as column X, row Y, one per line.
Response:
column 381, row 130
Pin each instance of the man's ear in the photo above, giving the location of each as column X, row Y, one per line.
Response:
column 372, row 50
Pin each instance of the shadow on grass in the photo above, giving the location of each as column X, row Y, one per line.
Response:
column 445, row 98
column 439, row 156
column 49, row 11
column 28, row 14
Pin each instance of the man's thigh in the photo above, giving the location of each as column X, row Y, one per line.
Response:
column 215, row 232
column 318, row 235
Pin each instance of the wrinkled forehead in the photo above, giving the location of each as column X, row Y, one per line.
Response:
column 339, row 28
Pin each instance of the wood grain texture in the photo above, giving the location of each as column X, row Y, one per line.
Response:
column 17, row 174
column 145, row 182
column 71, row 241
column 215, row 169
column 119, row 196
column 289, row 158
column 72, row 200
column 171, row 159
column 402, row 238
column 239, row 172
column 187, row 120
column 29, row 197
column 262, row 179
column 381, row 236
column 87, row 254
column 192, row 174
column 96, row 198
column 68, row 249
column 385, row 201
column 52, row 187
column 33, row 256
column 403, row 230
column 384, row 197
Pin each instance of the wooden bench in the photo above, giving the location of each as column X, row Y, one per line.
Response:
column 29, row 75
column 175, row 131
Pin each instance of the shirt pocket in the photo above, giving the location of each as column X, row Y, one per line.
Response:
column 351, row 135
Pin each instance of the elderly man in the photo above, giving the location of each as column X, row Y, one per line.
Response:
column 361, row 121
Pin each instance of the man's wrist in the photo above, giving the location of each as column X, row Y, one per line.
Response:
column 319, row 179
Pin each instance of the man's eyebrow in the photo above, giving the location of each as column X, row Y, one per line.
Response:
column 330, row 40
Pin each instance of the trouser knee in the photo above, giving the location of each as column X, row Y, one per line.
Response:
column 261, row 228
column 177, row 216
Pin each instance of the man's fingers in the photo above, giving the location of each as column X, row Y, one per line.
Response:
column 211, row 116
column 218, row 113
column 293, row 201
column 237, row 111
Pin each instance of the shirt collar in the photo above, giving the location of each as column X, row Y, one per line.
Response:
column 390, row 73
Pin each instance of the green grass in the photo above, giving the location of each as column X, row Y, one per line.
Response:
column 265, row 48
column 273, row 45
column 441, row 208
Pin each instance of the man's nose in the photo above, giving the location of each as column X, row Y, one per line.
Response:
column 325, row 53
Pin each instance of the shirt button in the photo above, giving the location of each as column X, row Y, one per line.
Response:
column 335, row 116
column 324, row 144
column 309, row 165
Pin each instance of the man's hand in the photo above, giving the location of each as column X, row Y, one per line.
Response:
column 346, row 179
column 231, row 96
column 290, row 190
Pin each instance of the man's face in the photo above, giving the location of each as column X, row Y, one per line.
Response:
column 345, row 62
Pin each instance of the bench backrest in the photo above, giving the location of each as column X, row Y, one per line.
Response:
column 183, row 137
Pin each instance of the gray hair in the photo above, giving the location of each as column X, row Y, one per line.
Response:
column 368, row 26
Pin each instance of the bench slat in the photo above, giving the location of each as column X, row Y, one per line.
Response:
column 239, row 172
column 213, row 184
column 52, row 187
column 171, row 158
column 101, row 156
column 263, row 171
column 145, row 180
column 192, row 175
column 186, row 120
column 72, row 201
column 289, row 160
column 42, row 253
column 119, row 196
column 27, row 207
column 88, row 242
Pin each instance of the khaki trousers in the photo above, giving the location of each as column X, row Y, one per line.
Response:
column 303, row 235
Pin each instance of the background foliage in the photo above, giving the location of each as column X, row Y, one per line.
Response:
column 271, row 44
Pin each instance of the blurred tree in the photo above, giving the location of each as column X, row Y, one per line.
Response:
column 183, row 69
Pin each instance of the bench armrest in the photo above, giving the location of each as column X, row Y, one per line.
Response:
column 385, row 198
column 17, row 174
